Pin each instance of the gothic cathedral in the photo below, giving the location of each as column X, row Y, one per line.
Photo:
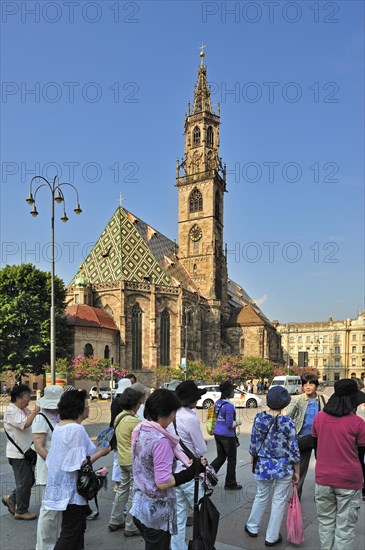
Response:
column 142, row 300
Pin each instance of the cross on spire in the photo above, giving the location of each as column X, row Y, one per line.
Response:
column 120, row 200
column 202, row 54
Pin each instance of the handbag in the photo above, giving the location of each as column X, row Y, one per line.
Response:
column 294, row 520
column 30, row 455
column 88, row 483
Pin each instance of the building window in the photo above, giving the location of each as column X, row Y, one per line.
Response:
column 210, row 136
column 88, row 350
column 363, row 349
column 136, row 337
column 324, row 362
column 106, row 352
column 325, row 338
column 337, row 362
column 354, row 337
column 300, row 339
column 363, row 336
column 353, row 362
column 195, row 269
column 217, row 205
column 325, row 349
column 195, row 201
column 353, row 375
column 165, row 338
column 337, row 349
column 196, row 135
column 307, row 339
column 353, row 349
column 242, row 345
column 336, row 376
column 336, row 338
column 77, row 298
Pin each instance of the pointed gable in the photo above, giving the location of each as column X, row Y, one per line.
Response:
column 129, row 249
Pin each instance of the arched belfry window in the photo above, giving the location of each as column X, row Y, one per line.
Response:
column 106, row 352
column 165, row 338
column 195, row 201
column 136, row 337
column 210, row 136
column 88, row 350
column 196, row 135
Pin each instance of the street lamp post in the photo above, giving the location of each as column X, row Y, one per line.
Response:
column 57, row 196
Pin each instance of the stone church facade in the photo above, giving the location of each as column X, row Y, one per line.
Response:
column 166, row 300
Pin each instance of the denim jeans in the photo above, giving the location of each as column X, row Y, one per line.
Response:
column 278, row 504
column 337, row 511
column 24, row 481
column 226, row 449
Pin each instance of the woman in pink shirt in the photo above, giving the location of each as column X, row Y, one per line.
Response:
column 153, row 452
column 339, row 440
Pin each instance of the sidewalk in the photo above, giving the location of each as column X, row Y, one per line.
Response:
column 233, row 507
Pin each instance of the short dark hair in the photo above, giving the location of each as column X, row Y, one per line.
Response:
column 311, row 378
column 18, row 391
column 161, row 404
column 130, row 376
column 130, row 398
column 72, row 404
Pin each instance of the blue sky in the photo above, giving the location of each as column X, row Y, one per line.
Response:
column 111, row 82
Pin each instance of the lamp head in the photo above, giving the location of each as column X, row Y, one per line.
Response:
column 30, row 199
column 34, row 211
column 77, row 210
column 64, row 217
column 58, row 198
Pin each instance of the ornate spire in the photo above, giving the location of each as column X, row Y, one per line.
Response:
column 201, row 92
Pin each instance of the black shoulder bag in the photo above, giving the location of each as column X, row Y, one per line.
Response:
column 30, row 455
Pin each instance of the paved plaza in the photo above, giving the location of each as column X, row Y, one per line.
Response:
column 234, row 507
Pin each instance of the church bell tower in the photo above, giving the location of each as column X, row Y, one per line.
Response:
column 201, row 183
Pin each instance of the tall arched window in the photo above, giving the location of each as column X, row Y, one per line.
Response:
column 165, row 338
column 195, row 201
column 196, row 135
column 106, row 352
column 88, row 350
column 217, row 204
column 136, row 337
column 210, row 136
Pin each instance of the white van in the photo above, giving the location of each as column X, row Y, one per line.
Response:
column 292, row 383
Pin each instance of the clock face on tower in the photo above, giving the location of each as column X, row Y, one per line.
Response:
column 195, row 233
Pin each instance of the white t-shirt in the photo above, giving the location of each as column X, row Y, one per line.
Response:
column 14, row 422
column 40, row 426
column 70, row 446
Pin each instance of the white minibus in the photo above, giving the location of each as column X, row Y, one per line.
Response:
column 292, row 383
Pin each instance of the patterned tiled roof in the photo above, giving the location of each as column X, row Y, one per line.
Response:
column 81, row 315
column 129, row 249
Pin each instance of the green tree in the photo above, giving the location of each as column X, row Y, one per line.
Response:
column 256, row 367
column 25, row 301
column 198, row 370
column 166, row 373
column 229, row 367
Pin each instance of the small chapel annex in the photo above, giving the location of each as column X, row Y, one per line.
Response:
column 143, row 300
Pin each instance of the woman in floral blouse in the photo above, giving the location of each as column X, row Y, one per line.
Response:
column 274, row 441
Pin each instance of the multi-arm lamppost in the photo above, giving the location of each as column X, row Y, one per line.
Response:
column 57, row 196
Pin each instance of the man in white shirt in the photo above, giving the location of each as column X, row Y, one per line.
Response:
column 189, row 430
column 49, row 522
column 18, row 420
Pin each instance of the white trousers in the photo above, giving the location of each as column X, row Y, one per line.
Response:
column 116, row 473
column 279, row 501
column 48, row 527
column 338, row 511
column 184, row 499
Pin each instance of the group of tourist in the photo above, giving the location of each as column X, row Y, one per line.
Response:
column 154, row 469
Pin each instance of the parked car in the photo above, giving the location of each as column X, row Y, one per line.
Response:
column 240, row 399
column 172, row 385
column 104, row 393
